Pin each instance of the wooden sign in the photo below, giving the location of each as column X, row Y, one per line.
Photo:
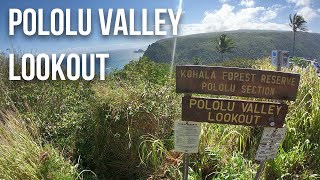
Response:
column 236, row 112
column 237, row 82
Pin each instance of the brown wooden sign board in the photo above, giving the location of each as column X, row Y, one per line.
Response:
column 237, row 82
column 236, row 112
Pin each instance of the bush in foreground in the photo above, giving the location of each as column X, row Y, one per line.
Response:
column 23, row 156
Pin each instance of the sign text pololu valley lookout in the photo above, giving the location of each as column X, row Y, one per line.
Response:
column 233, row 82
column 223, row 111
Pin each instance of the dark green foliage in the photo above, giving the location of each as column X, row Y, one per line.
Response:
column 250, row 45
column 238, row 62
column 301, row 62
column 196, row 61
column 144, row 70
column 297, row 22
column 156, row 49
column 57, row 107
column 224, row 44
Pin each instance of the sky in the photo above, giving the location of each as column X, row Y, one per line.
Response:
column 199, row 16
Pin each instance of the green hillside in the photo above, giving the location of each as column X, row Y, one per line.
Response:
column 249, row 44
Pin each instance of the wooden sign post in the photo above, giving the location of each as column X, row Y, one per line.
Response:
column 235, row 82
column 186, row 140
column 278, row 61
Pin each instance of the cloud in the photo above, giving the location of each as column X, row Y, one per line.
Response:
column 271, row 13
column 300, row 3
column 305, row 9
column 308, row 13
column 227, row 18
column 247, row 3
column 268, row 15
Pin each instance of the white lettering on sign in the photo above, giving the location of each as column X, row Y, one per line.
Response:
column 42, row 66
column 121, row 21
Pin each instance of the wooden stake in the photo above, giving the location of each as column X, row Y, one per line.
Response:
column 185, row 166
column 186, row 157
column 263, row 163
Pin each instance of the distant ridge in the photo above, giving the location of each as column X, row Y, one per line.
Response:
column 250, row 44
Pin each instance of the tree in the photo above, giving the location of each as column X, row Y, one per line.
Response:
column 297, row 22
column 224, row 45
column 196, row 60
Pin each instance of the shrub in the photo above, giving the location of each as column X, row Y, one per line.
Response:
column 130, row 104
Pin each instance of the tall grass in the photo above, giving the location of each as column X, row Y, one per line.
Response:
column 129, row 108
column 24, row 151
column 23, row 156
column 299, row 155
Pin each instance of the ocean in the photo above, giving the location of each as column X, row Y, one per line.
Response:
column 119, row 58
column 116, row 61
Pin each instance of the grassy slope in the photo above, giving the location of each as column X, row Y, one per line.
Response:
column 123, row 128
column 249, row 44
column 24, row 157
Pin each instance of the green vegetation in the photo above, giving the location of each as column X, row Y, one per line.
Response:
column 250, row 45
column 238, row 62
column 196, row 61
column 224, row 45
column 122, row 128
column 301, row 62
column 297, row 22
column 23, row 156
